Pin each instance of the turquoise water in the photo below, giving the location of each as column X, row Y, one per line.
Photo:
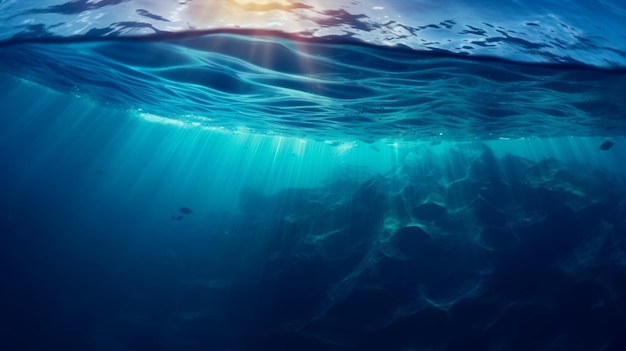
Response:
column 245, row 175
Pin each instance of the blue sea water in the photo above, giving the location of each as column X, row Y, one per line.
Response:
column 318, row 175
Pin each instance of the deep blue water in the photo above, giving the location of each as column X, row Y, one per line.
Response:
column 316, row 175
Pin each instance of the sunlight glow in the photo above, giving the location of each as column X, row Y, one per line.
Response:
column 248, row 14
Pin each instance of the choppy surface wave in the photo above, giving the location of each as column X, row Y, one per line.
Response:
column 274, row 82
column 578, row 31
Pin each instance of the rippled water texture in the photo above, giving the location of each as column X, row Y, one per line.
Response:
column 578, row 31
column 273, row 82
column 365, row 69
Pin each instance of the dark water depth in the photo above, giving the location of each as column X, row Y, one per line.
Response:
column 118, row 233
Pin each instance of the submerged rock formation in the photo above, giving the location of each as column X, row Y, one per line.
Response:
column 482, row 253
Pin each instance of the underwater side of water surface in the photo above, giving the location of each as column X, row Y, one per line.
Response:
column 272, row 82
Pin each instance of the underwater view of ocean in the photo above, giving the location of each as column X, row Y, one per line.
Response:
column 313, row 175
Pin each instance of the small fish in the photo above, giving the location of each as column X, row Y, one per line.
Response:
column 177, row 218
column 185, row 210
column 606, row 145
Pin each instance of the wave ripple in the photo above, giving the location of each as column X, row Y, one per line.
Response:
column 271, row 81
